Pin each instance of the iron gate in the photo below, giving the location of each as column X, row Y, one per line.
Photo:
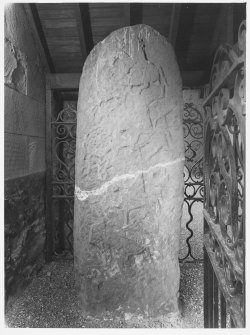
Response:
column 224, row 176
column 193, row 175
column 63, row 137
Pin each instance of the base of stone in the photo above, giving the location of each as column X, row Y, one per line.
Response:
column 123, row 319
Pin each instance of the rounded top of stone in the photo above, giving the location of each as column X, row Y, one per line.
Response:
column 138, row 29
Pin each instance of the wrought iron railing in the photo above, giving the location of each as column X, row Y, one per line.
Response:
column 224, row 177
column 63, row 177
column 193, row 174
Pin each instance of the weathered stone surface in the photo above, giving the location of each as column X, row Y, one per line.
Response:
column 23, row 155
column 23, row 115
column 36, row 150
column 36, row 74
column 16, row 156
column 129, row 174
column 15, row 68
column 23, row 68
column 24, row 124
column 18, row 30
column 24, row 150
column 24, row 230
column 10, row 61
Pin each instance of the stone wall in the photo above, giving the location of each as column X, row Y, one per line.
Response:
column 24, row 142
column 129, row 174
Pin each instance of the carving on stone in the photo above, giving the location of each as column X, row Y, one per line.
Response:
column 129, row 174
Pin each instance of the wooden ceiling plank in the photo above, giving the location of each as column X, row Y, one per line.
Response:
column 56, row 14
column 59, row 23
column 54, row 6
column 58, row 53
column 66, row 48
column 84, row 28
column 34, row 29
column 174, row 23
column 67, row 55
column 63, row 32
column 105, row 12
column 59, row 40
column 102, row 6
column 107, row 22
column 40, row 32
column 64, row 80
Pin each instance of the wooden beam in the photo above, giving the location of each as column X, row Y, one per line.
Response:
column 64, row 81
column 126, row 11
column 41, row 35
column 69, row 95
column 174, row 23
column 37, row 37
column 84, row 28
column 136, row 13
column 70, row 81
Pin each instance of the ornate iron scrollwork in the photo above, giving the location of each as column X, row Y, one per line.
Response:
column 63, row 176
column 224, row 174
column 193, row 172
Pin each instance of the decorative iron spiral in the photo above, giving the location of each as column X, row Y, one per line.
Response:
column 224, row 168
column 63, row 183
column 193, row 172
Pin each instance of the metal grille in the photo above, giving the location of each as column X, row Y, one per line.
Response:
column 224, row 175
column 193, row 172
column 63, row 130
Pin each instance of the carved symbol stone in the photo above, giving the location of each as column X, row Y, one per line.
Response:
column 130, row 101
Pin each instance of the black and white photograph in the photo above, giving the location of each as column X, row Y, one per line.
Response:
column 124, row 165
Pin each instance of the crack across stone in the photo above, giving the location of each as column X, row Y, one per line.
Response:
column 83, row 195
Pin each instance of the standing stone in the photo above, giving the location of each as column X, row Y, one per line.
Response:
column 129, row 174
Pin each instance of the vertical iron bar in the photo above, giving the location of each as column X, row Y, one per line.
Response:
column 61, row 213
column 206, row 289
column 223, row 311
column 48, row 193
column 211, row 290
column 61, row 236
column 215, row 301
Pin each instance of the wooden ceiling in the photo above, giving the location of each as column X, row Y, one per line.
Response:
column 68, row 31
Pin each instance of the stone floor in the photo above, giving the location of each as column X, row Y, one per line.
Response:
column 51, row 301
